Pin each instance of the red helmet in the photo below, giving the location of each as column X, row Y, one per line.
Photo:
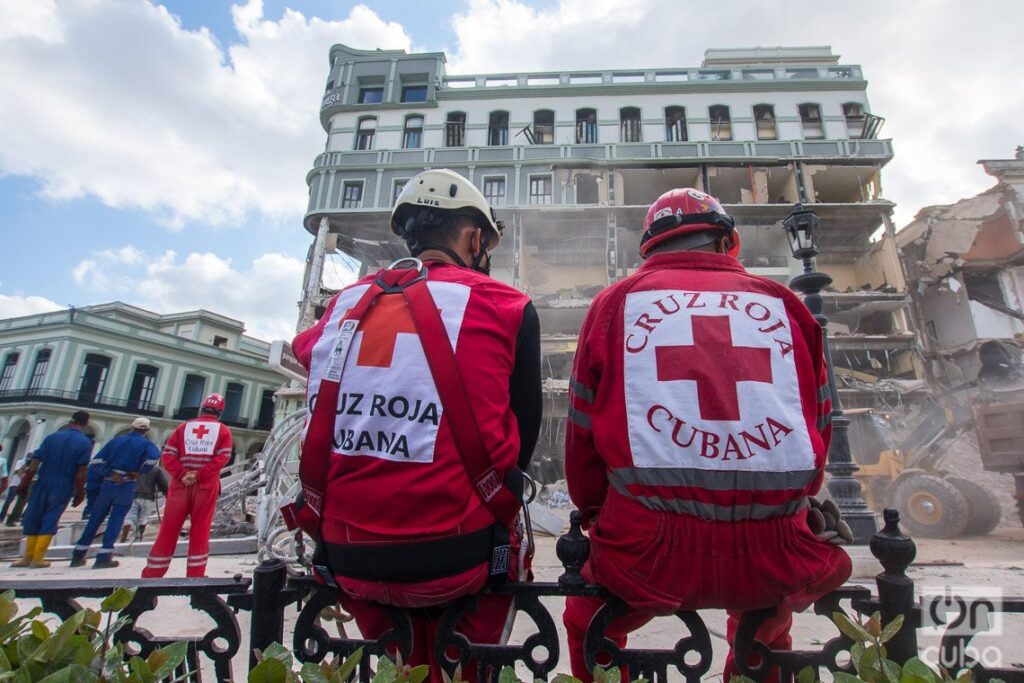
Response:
column 687, row 211
column 214, row 402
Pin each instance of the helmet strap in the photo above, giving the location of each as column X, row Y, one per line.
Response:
column 479, row 264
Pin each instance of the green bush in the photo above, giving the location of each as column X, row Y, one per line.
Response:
column 79, row 650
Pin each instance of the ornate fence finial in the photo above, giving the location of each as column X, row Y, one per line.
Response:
column 573, row 549
column 895, row 550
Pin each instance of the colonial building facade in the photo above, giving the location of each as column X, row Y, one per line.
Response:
column 572, row 159
column 120, row 362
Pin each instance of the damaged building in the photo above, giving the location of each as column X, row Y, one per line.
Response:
column 572, row 159
column 965, row 267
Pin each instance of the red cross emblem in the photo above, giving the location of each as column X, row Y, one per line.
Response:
column 716, row 365
column 200, row 431
column 386, row 319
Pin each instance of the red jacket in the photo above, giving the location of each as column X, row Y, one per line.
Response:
column 395, row 474
column 200, row 445
column 698, row 399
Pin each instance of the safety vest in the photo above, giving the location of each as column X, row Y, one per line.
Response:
column 196, row 444
column 698, row 389
column 395, row 477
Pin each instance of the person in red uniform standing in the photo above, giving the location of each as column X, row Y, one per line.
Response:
column 193, row 458
column 699, row 422
column 402, row 521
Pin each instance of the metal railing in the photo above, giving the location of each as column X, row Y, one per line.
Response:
column 85, row 400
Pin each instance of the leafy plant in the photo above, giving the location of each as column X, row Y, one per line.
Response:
column 80, row 648
column 869, row 657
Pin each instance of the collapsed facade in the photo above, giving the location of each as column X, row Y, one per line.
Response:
column 572, row 159
column 965, row 267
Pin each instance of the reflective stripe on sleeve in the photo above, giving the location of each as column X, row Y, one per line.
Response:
column 579, row 418
column 580, row 390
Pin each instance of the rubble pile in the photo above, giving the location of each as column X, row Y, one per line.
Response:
column 961, row 458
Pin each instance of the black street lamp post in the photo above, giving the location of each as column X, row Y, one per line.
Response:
column 803, row 229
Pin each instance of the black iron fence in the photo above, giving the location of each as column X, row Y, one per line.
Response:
column 277, row 595
column 81, row 399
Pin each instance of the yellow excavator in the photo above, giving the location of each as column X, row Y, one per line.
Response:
column 909, row 474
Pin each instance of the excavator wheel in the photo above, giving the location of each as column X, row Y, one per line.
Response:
column 931, row 507
column 983, row 511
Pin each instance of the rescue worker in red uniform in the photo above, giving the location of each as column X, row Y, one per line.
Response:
column 699, row 422
column 401, row 521
column 193, row 457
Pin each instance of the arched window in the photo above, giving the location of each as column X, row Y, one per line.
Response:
column 764, row 120
column 853, row 112
column 497, row 128
column 94, row 377
column 810, row 119
column 7, row 374
column 675, row 124
column 455, row 129
column 365, row 132
column 412, row 136
column 586, row 126
column 630, row 125
column 543, row 127
column 721, row 123
column 39, row 369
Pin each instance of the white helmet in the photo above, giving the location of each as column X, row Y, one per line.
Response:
column 445, row 191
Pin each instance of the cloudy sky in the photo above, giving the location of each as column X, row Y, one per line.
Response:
column 156, row 153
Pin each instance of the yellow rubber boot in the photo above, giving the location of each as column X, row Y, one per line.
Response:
column 30, row 549
column 42, row 545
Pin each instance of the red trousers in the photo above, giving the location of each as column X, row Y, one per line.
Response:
column 663, row 562
column 198, row 502
column 483, row 625
column 579, row 611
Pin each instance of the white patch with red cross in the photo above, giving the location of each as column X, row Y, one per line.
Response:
column 201, row 437
column 388, row 406
column 711, row 383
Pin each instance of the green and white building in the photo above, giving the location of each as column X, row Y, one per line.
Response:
column 120, row 362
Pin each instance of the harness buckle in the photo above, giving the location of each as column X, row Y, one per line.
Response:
column 417, row 265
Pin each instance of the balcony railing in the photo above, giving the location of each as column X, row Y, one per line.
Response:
column 84, row 400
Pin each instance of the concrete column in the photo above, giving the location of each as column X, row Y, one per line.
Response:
column 313, row 276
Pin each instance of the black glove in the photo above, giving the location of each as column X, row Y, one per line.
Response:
column 826, row 522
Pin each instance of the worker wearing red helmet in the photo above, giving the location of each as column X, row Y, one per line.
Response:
column 698, row 429
column 425, row 403
column 193, row 457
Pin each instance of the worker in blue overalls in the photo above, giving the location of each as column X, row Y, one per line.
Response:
column 122, row 460
column 61, row 463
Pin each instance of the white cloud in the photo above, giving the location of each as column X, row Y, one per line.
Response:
column 116, row 100
column 262, row 294
column 16, row 305
column 944, row 73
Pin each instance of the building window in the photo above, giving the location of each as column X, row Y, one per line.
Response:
column 414, row 93
column 984, row 287
column 397, row 188
column 371, row 95
column 540, row 189
column 810, row 119
column 365, row 132
column 455, row 129
column 266, row 416
column 352, row 194
column 494, row 190
column 855, row 119
column 721, row 123
column 143, row 386
column 412, row 136
column 94, row 377
column 39, row 370
column 543, row 127
column 233, row 394
column 764, row 119
column 220, row 342
column 7, row 376
column 586, row 126
column 191, row 396
column 675, row 124
column 497, row 129
column 630, row 125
